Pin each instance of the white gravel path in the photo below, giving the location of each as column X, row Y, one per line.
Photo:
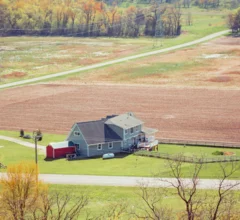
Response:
column 24, row 143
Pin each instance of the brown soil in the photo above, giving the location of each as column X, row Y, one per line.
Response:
column 14, row 75
column 180, row 113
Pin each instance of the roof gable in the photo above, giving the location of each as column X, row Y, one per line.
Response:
column 97, row 132
column 125, row 121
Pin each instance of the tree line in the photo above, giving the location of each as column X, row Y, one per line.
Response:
column 87, row 18
column 234, row 21
column 23, row 196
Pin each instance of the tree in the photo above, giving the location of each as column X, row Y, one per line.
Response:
column 20, row 191
column 221, row 205
column 150, row 205
column 24, row 197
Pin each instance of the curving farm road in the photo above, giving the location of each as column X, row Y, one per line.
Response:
column 209, row 37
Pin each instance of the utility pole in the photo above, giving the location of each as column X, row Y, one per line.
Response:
column 158, row 27
column 37, row 136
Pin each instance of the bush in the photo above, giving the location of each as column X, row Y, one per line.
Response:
column 218, row 152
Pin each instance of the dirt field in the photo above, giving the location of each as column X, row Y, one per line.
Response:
column 199, row 114
column 212, row 64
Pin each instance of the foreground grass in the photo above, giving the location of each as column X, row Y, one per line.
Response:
column 130, row 165
column 101, row 197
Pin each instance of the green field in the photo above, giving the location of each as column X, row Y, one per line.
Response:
column 129, row 165
column 28, row 57
column 196, row 151
column 102, row 197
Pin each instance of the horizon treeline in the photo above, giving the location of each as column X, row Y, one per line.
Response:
column 86, row 18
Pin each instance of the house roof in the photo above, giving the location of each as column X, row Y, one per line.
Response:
column 97, row 132
column 125, row 121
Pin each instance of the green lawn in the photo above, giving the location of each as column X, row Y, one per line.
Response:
column 130, row 165
column 197, row 151
column 101, row 197
column 47, row 138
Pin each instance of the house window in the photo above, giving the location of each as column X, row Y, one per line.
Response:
column 131, row 130
column 99, row 147
column 76, row 133
column 110, row 145
column 126, row 131
column 137, row 128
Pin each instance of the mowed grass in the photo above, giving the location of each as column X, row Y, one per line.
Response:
column 47, row 138
column 130, row 165
column 102, row 197
column 194, row 151
column 28, row 57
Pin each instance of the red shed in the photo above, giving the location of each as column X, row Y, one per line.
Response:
column 60, row 149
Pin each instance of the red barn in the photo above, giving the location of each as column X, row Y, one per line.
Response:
column 60, row 149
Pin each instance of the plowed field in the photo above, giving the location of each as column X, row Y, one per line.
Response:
column 179, row 113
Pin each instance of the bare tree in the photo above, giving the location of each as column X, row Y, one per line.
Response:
column 151, row 204
column 186, row 190
column 207, row 205
column 116, row 210
column 59, row 206
column 223, row 205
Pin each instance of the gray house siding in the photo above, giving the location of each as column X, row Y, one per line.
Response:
column 93, row 149
column 117, row 130
column 128, row 138
column 78, row 140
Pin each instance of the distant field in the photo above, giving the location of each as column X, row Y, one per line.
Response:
column 129, row 165
column 212, row 64
column 27, row 57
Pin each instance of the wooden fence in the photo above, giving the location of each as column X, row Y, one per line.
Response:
column 187, row 159
column 199, row 143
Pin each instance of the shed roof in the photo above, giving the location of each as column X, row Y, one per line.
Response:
column 97, row 132
column 125, row 121
column 59, row 145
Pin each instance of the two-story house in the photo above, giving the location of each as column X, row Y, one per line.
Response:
column 113, row 134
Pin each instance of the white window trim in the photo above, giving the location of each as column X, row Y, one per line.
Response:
column 76, row 132
column 111, row 145
column 99, row 146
